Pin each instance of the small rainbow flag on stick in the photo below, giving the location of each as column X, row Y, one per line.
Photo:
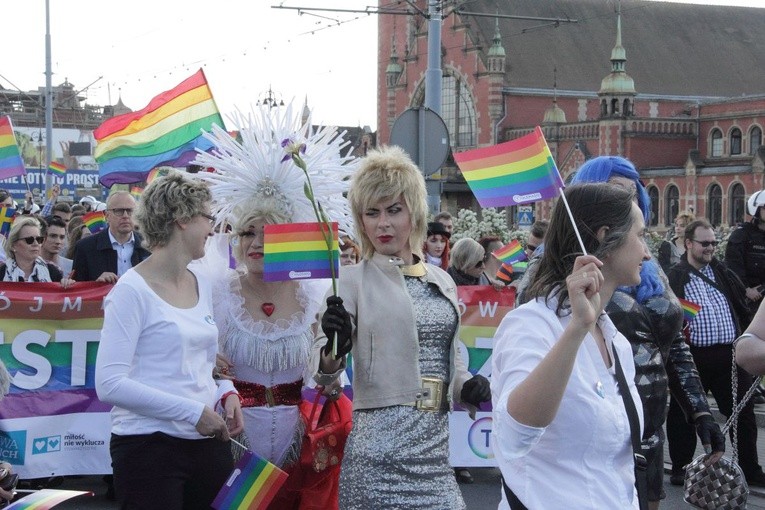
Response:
column 690, row 309
column 511, row 173
column 57, row 169
column 505, row 274
column 251, row 486
column 95, row 221
column 6, row 220
column 45, row 499
column 298, row 251
column 510, row 253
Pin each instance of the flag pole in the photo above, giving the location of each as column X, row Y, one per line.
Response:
column 573, row 223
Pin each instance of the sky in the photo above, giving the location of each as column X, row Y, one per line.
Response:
column 138, row 49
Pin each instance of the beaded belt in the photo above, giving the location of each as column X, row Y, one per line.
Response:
column 257, row 395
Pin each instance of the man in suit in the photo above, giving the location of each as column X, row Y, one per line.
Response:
column 107, row 255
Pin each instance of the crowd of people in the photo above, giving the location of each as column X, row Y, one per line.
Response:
column 198, row 347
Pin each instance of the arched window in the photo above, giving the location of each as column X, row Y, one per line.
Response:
column 671, row 204
column 457, row 110
column 755, row 140
column 737, row 202
column 735, row 141
column 653, row 196
column 717, row 143
column 714, row 205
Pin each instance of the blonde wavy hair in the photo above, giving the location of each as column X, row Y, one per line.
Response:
column 166, row 200
column 386, row 174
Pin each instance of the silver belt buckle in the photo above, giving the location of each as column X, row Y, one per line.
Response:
column 432, row 393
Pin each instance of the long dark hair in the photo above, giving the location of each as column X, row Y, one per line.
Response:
column 593, row 205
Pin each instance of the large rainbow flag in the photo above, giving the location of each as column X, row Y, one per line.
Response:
column 167, row 132
column 510, row 173
column 11, row 163
column 298, row 251
column 251, row 486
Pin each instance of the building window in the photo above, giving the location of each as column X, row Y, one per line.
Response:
column 737, row 203
column 457, row 110
column 735, row 141
column 755, row 140
column 714, row 205
column 717, row 143
column 671, row 204
column 653, row 196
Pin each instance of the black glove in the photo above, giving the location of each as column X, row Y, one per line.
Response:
column 336, row 324
column 476, row 390
column 710, row 434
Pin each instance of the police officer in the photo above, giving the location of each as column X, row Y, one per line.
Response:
column 745, row 253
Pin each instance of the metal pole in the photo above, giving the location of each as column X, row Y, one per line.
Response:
column 48, row 102
column 433, row 78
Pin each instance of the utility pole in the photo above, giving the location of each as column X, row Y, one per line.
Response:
column 48, row 103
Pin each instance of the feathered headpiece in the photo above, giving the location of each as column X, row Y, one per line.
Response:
column 260, row 167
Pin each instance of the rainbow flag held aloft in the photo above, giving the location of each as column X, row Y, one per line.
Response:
column 95, row 221
column 298, row 251
column 165, row 133
column 690, row 309
column 7, row 214
column 45, row 499
column 156, row 172
column 11, row 163
column 136, row 191
column 251, row 486
column 510, row 173
column 57, row 169
column 510, row 253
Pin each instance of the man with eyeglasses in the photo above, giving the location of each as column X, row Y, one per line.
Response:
column 107, row 255
column 54, row 232
column 702, row 279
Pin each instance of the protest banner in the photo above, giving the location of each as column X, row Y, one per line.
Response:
column 51, row 422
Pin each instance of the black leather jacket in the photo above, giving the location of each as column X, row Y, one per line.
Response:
column 745, row 254
column 662, row 359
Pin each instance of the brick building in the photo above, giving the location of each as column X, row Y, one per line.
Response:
column 687, row 106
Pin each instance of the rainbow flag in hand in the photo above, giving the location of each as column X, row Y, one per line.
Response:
column 167, row 132
column 11, row 163
column 510, row 173
column 95, row 221
column 690, row 309
column 45, row 499
column 57, row 169
column 298, row 251
column 510, row 253
column 505, row 274
column 7, row 214
column 251, row 486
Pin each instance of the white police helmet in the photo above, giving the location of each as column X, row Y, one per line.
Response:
column 755, row 201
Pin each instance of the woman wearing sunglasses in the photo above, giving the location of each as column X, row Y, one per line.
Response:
column 24, row 263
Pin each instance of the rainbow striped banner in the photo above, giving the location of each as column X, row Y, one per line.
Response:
column 7, row 214
column 45, row 499
column 11, row 163
column 690, row 309
column 505, row 273
column 95, row 221
column 165, row 133
column 251, row 486
column 298, row 251
column 57, row 169
column 510, row 253
column 511, row 173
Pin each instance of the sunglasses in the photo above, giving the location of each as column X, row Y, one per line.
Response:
column 32, row 239
column 531, row 247
column 706, row 244
column 479, row 264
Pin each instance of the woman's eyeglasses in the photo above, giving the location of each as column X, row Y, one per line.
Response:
column 706, row 244
column 209, row 217
column 32, row 239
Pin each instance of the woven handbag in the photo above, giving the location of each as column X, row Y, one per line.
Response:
column 721, row 485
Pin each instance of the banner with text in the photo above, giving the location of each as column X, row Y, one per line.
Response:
column 51, row 422
column 482, row 309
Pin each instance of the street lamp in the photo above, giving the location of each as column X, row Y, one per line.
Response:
column 271, row 99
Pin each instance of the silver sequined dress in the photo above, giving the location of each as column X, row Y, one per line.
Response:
column 398, row 456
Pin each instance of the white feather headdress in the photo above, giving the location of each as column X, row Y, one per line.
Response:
column 256, row 168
